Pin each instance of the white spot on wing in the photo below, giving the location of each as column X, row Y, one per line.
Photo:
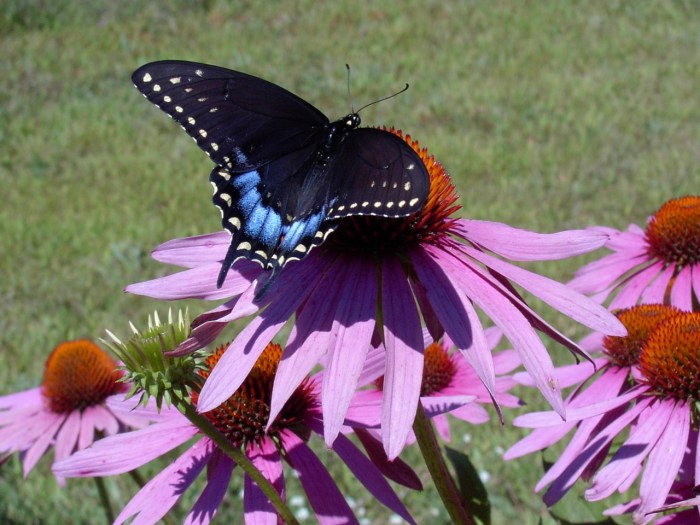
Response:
column 407, row 185
column 402, row 204
column 213, row 110
column 377, row 204
column 203, row 133
column 156, row 87
column 190, row 121
column 166, row 98
column 199, row 73
column 175, row 80
column 147, row 77
column 244, row 246
column 413, row 201
column 226, row 197
column 178, row 109
column 235, row 222
column 365, row 204
column 225, row 174
column 214, row 146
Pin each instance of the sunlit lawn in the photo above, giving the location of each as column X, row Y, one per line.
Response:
column 548, row 115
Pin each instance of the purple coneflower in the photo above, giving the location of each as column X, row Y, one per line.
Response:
column 242, row 420
column 450, row 385
column 660, row 264
column 650, row 400
column 376, row 278
column 79, row 395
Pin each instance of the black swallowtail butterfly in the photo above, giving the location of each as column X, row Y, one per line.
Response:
column 284, row 173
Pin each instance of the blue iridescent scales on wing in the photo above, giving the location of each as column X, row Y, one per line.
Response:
column 284, row 173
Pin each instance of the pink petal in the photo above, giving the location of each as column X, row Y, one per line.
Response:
column 558, row 296
column 257, row 508
column 369, row 476
column 219, row 468
column 634, row 286
column 682, row 290
column 350, row 339
column 696, row 280
column 124, row 452
column 515, row 327
column 26, row 398
column 195, row 283
column 664, row 461
column 326, row 500
column 404, row 358
column 457, row 315
column 159, row 495
column 396, row 470
column 524, row 245
column 52, row 424
column 601, row 274
column 309, row 338
column 632, row 453
column 87, row 429
column 656, row 291
column 67, row 437
column 538, row 439
column 546, row 419
column 234, row 366
column 435, row 405
column 190, row 252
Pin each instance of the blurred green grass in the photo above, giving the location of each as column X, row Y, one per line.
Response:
column 548, row 115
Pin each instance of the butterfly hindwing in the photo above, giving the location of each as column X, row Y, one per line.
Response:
column 375, row 172
column 241, row 121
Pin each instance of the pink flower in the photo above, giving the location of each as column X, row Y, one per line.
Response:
column 79, row 395
column 374, row 279
column 655, row 409
column 242, row 420
column 451, row 386
column 660, row 264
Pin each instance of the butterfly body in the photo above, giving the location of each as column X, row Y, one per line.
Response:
column 284, row 173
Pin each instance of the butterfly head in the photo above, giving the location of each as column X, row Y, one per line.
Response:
column 352, row 120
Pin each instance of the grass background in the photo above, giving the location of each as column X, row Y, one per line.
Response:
column 549, row 115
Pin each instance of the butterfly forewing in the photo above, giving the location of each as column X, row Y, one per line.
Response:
column 376, row 173
column 242, row 122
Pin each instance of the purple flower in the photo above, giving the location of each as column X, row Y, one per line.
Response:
column 451, row 386
column 375, row 279
column 79, row 396
column 651, row 398
column 660, row 264
column 242, row 420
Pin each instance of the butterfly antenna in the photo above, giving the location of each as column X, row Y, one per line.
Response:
column 349, row 96
column 383, row 99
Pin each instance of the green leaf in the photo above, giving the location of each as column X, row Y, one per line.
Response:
column 472, row 490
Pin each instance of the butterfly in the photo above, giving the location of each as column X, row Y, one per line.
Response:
column 285, row 174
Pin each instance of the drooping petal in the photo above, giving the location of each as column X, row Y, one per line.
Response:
column 349, row 342
column 127, row 451
column 52, row 423
column 308, row 340
column 635, row 284
column 558, row 296
column 370, row 476
column 403, row 340
column 325, row 498
column 516, row 328
column 159, row 495
column 682, row 290
column 219, row 468
column 435, row 405
column 455, row 312
column 233, row 367
column 656, row 291
column 664, row 461
column 19, row 400
column 257, row 508
column 600, row 275
column 396, row 470
column 631, row 454
column 523, row 245
column 67, row 436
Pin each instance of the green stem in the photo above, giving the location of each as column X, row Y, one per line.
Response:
column 209, row 430
column 138, row 479
column 425, row 436
column 104, row 499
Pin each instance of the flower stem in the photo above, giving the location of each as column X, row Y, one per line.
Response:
column 425, row 436
column 104, row 499
column 209, row 430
